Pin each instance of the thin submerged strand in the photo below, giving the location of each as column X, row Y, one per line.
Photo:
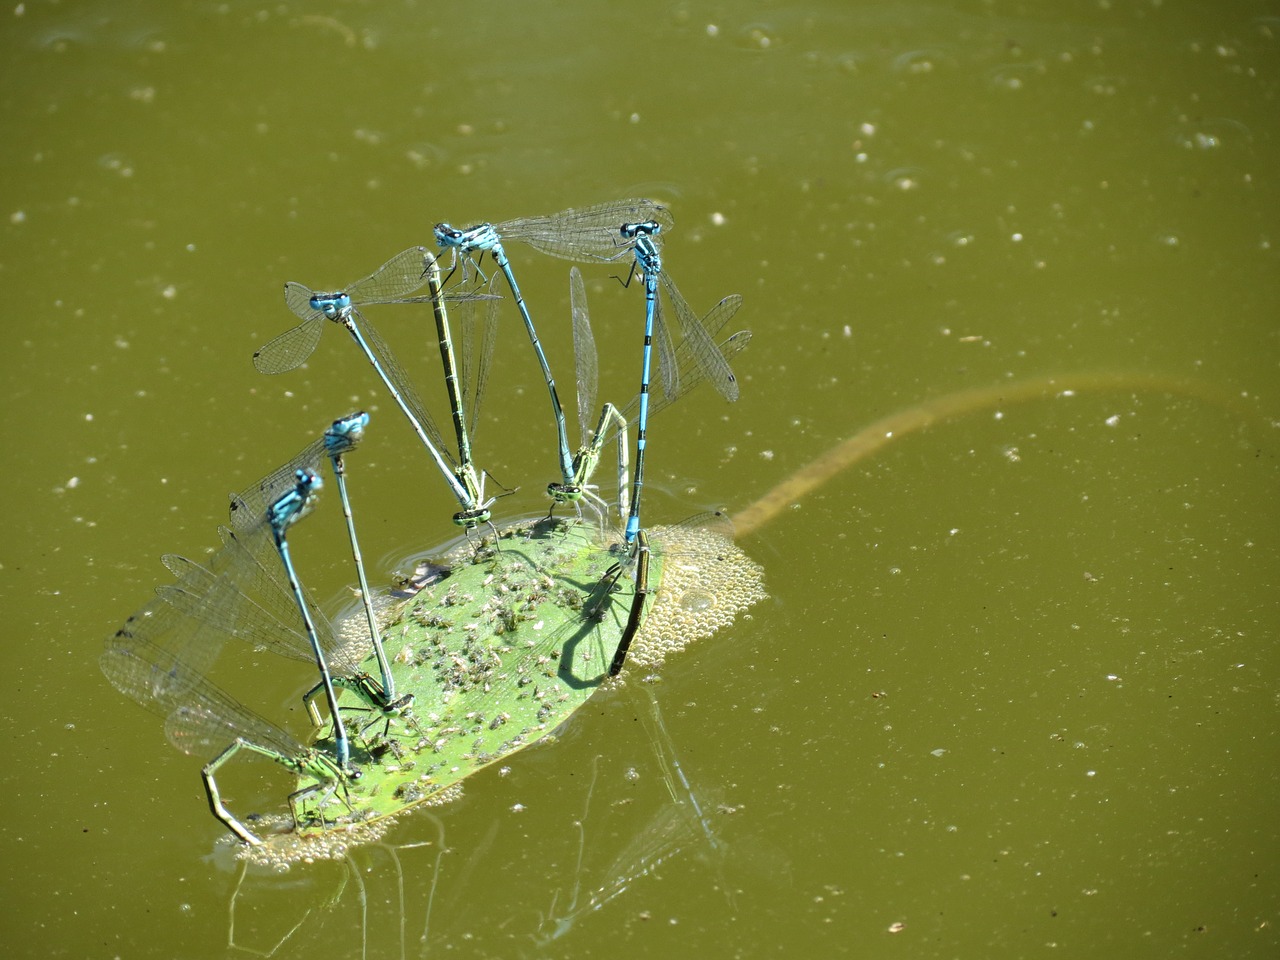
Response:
column 672, row 830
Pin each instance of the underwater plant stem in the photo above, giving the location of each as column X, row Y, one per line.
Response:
column 872, row 438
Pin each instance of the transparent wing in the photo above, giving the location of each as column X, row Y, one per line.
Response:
column 164, row 684
column 585, row 233
column 292, row 348
column 403, row 274
column 668, row 368
column 690, row 377
column 254, row 499
column 706, row 355
column 395, row 373
column 476, row 360
column 203, row 729
column 586, row 358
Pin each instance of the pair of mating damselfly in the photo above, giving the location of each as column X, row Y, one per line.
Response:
column 162, row 655
column 396, row 281
column 603, row 233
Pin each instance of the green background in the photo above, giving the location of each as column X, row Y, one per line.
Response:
column 1015, row 687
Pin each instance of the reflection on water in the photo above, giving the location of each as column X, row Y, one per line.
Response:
column 413, row 898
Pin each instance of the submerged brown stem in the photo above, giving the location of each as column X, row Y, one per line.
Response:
column 871, row 438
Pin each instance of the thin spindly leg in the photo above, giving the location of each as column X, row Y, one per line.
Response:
column 317, row 766
column 216, row 806
column 585, row 464
column 328, row 791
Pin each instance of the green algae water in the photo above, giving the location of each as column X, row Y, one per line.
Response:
column 1013, row 691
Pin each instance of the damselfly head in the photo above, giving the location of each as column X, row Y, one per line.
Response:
column 446, row 235
column 335, row 306
column 296, row 503
column 346, row 432
column 645, row 228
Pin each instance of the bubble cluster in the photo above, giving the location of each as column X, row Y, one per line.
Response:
column 706, row 582
column 279, row 851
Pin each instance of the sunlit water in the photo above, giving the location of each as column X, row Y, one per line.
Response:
column 1014, row 691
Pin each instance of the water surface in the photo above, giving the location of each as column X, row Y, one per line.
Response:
column 1014, row 691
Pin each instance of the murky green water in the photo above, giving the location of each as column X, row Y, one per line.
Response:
column 1014, row 693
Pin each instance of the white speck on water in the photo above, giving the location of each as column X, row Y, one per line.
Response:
column 1113, row 420
column 937, row 753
